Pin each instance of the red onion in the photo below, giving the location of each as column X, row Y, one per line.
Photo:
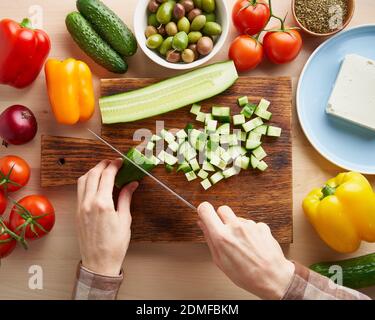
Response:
column 17, row 125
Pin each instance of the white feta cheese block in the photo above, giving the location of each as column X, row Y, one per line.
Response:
column 353, row 96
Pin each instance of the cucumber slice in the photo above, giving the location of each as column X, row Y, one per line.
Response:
column 264, row 114
column 150, row 146
column 233, row 141
column 208, row 118
column 170, row 159
column 194, row 164
column 241, row 136
column 202, row 174
column 189, row 127
column 208, row 167
column 195, row 109
column 224, row 139
column 187, row 151
column 169, row 168
column 155, row 138
column 252, row 124
column 261, row 129
column 263, row 105
column 173, row 146
column 245, row 162
column 238, row 119
column 230, row 172
column 212, row 145
column 259, row 153
column 216, row 177
column 201, row 117
column 168, row 95
column 252, row 144
column 154, row 160
column 218, row 162
column 206, row 184
column 262, row 166
column 248, row 110
column 222, row 114
column 184, row 167
column 215, row 137
column 254, row 161
column 224, row 129
column 242, row 101
column 273, row 131
column 190, row 176
column 234, row 152
column 211, row 125
column 181, row 134
column 167, row 136
column 254, row 136
column 226, row 157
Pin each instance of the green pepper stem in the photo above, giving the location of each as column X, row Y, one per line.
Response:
column 328, row 191
column 26, row 23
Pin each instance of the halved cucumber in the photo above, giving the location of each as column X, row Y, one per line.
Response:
column 168, row 95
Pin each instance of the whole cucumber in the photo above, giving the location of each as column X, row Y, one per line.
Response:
column 93, row 45
column 357, row 272
column 109, row 26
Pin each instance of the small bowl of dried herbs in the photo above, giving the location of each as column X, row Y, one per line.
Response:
column 323, row 18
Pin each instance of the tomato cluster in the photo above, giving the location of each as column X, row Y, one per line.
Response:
column 30, row 218
column 251, row 17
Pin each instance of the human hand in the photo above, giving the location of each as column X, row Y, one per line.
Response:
column 246, row 252
column 103, row 231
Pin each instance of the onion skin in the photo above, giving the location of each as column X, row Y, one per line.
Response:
column 18, row 125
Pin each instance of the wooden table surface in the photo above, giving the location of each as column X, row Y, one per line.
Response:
column 153, row 271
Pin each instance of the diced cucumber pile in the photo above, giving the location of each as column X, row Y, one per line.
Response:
column 217, row 152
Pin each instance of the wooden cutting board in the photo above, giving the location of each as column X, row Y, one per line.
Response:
column 158, row 215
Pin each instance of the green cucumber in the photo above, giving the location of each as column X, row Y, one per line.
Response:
column 221, row 114
column 242, row 101
column 248, row 110
column 93, row 45
column 206, row 184
column 109, row 26
column 274, row 131
column 184, row 167
column 169, row 168
column 129, row 172
column 357, row 272
column 168, row 95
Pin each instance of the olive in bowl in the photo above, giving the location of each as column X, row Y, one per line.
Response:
column 181, row 34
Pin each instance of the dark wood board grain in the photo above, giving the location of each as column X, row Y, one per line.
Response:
column 157, row 215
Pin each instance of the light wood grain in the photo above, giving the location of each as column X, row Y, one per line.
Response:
column 249, row 194
column 164, row 271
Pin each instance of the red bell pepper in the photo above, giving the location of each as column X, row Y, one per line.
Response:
column 23, row 52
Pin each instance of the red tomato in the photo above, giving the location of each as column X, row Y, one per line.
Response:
column 14, row 173
column 3, row 202
column 282, row 46
column 7, row 243
column 246, row 52
column 250, row 17
column 34, row 215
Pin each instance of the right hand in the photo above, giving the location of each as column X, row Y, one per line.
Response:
column 246, row 252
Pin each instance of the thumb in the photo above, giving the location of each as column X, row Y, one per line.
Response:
column 125, row 197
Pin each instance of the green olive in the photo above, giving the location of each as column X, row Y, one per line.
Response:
column 212, row 29
column 183, row 25
column 210, row 17
column 171, row 28
column 164, row 13
column 188, row 56
column 194, row 36
column 152, row 21
column 198, row 4
column 150, row 30
column 208, row 5
column 154, row 41
column 165, row 46
column 180, row 41
column 198, row 23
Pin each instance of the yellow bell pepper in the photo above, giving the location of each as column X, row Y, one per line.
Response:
column 343, row 211
column 70, row 90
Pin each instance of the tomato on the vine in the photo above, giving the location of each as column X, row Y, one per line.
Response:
column 246, row 52
column 282, row 46
column 14, row 173
column 250, row 16
column 3, row 202
column 7, row 242
column 33, row 217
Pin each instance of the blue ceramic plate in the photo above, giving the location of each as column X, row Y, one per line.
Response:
column 347, row 145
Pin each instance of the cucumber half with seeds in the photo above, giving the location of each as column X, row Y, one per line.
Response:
column 168, row 95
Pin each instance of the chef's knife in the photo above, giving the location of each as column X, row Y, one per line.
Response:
column 144, row 171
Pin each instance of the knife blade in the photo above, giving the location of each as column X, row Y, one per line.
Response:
column 144, row 171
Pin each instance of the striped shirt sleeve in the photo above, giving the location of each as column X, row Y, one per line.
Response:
column 309, row 285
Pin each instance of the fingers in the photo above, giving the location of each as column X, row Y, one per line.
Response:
column 227, row 215
column 107, row 179
column 208, row 240
column 92, row 181
column 125, row 197
column 209, row 217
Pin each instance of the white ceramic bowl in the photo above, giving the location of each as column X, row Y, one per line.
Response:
column 140, row 24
